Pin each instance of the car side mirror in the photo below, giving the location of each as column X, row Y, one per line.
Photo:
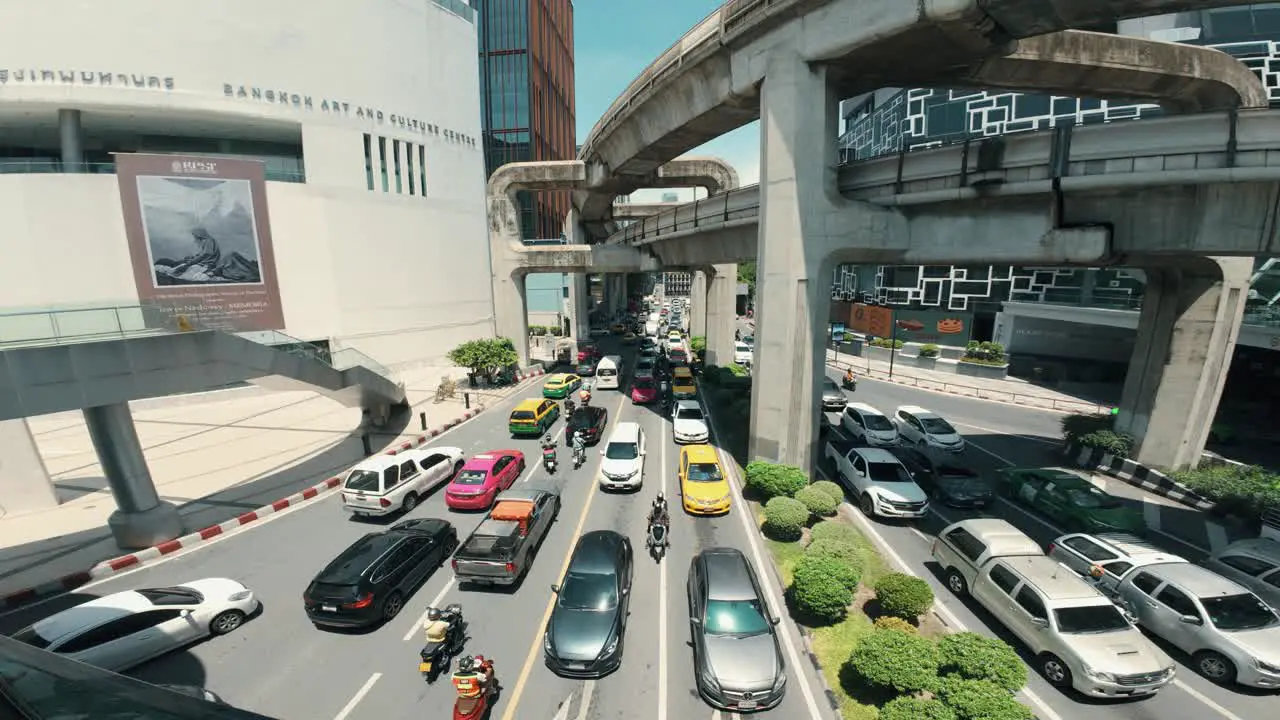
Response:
column 694, row 621
column 1191, row 620
column 626, row 591
column 555, row 589
column 601, row 453
column 1040, row 622
column 186, row 613
column 775, row 620
column 643, row 453
column 1129, row 616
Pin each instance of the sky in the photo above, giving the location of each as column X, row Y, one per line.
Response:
column 614, row 40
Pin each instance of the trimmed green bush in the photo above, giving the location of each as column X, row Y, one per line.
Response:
column 826, row 486
column 977, row 657
column 889, row 622
column 835, row 530
column 820, row 597
column 980, row 700
column 769, row 480
column 818, row 502
column 904, row 596
column 894, row 660
column 847, row 573
column 929, row 350
column 1118, row 444
column 841, row 550
column 784, row 519
column 914, row 708
column 1078, row 425
column 1242, row 490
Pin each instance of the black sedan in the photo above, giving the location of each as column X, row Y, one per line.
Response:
column 591, row 421
column 584, row 636
column 369, row 582
column 585, row 369
column 947, row 481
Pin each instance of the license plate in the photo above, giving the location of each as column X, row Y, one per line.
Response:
column 748, row 705
column 329, row 608
column 424, row 667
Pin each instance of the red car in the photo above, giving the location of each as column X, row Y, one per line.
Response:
column 590, row 353
column 644, row 390
column 482, row 478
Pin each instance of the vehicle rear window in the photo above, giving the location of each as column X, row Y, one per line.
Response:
column 968, row 545
column 606, row 372
column 364, row 480
column 332, row 590
column 471, row 477
column 704, row 472
column 522, row 415
column 645, row 383
column 29, row 636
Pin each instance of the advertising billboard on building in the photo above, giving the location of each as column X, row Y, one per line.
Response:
column 938, row 327
column 200, row 240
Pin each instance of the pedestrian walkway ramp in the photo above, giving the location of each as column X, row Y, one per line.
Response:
column 70, row 359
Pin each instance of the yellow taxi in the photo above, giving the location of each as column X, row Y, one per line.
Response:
column 560, row 385
column 682, row 387
column 704, row 489
column 533, row 417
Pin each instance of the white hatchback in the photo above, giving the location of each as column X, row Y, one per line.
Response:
column 386, row 484
column 120, row 631
column 688, row 424
column 927, row 430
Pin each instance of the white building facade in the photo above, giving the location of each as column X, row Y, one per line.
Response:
column 365, row 115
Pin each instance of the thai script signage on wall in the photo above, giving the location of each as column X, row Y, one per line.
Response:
column 87, row 78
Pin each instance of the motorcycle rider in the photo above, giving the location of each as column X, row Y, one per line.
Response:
column 438, row 625
column 569, row 407
column 658, row 513
column 584, row 395
column 474, row 677
column 579, row 447
column 548, row 449
column 848, row 376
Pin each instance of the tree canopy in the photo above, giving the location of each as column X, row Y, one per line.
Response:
column 484, row 357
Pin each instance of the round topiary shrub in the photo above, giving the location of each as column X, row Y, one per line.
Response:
column 977, row 657
column 889, row 622
column 893, row 660
column 842, row 551
column 904, row 596
column 835, row 530
column 784, row 519
column 768, row 480
column 818, row 502
column 847, row 573
column 835, row 491
column 980, row 700
column 819, row 596
column 914, row 708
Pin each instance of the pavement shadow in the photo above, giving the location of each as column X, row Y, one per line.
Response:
column 176, row 668
column 15, row 620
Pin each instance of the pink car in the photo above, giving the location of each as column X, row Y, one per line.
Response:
column 482, row 478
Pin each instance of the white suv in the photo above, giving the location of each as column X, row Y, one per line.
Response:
column 883, row 485
column 868, row 425
column 927, row 430
column 623, row 465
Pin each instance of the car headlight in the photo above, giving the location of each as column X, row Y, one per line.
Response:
column 1096, row 675
column 610, row 647
column 1266, row 667
column 709, row 681
column 781, row 682
column 242, row 595
column 546, row 642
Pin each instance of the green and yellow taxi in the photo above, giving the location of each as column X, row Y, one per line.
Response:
column 704, row 489
column 682, row 387
column 532, row 417
column 560, row 385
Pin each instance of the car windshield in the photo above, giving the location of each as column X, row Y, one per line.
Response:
column 735, row 617
column 704, row 472
column 955, row 471
column 363, row 480
column 691, row 413
column 521, row 415
column 1091, row 498
column 1238, row 612
column 936, row 426
column 589, row 591
column 622, row 451
column 886, row 472
column 471, row 477
column 829, row 386
column 1090, row 619
column 876, row 422
column 29, row 636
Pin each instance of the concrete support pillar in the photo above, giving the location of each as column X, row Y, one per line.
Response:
column 511, row 312
column 71, row 137
column 579, row 306
column 24, row 481
column 798, row 116
column 141, row 518
column 1186, row 337
column 721, row 318
column 698, row 305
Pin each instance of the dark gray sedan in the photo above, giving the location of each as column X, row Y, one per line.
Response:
column 833, row 398
column 584, row 636
column 946, row 480
column 736, row 656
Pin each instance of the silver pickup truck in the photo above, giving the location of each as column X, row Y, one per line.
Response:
column 502, row 547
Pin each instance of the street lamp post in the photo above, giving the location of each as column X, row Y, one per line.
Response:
column 893, row 344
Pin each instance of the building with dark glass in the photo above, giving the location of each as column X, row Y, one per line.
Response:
column 527, row 97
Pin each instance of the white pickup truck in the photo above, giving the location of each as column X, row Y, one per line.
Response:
column 879, row 482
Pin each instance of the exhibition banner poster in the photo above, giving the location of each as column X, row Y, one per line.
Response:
column 200, row 240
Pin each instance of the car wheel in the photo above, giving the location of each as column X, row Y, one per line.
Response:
column 1215, row 667
column 392, row 606
column 867, row 505
column 1055, row 671
column 956, row 582
column 225, row 622
column 410, row 502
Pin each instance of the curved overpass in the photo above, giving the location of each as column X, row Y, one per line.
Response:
column 1164, row 185
column 708, row 83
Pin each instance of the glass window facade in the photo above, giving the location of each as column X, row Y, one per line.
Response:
column 527, row 92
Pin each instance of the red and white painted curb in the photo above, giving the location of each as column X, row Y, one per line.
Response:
column 141, row 557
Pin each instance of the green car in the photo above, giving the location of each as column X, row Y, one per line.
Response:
column 560, row 385
column 1070, row 500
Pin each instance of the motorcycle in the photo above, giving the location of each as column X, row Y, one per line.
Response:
column 579, row 456
column 569, row 407
column 849, row 384
column 657, row 540
column 549, row 459
column 476, row 687
column 446, row 632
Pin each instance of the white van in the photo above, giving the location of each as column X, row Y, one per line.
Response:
column 651, row 328
column 609, row 373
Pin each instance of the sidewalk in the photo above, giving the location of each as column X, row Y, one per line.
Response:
column 1014, row 391
column 214, row 455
